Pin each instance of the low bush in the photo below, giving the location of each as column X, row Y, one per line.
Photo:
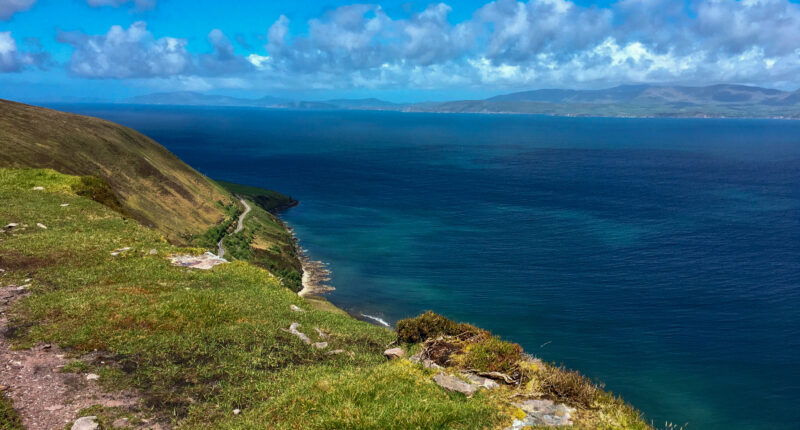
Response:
column 568, row 386
column 491, row 355
column 431, row 325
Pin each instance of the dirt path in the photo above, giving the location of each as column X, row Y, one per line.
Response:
column 239, row 227
column 45, row 397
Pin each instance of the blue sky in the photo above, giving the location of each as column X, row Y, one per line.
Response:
column 397, row 50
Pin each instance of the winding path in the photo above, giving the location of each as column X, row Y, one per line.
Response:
column 239, row 227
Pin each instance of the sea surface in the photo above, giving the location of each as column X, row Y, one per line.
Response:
column 660, row 256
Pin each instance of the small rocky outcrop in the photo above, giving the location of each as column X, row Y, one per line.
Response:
column 452, row 383
column 203, row 262
column 394, row 353
column 543, row 412
column 86, row 423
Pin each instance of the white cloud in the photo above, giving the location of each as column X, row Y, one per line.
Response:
column 14, row 60
column 131, row 53
column 9, row 7
column 140, row 4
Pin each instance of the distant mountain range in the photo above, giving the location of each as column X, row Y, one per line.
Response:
column 722, row 101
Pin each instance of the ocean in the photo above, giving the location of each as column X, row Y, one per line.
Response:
column 659, row 256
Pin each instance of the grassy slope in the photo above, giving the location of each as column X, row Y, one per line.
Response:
column 199, row 344
column 154, row 187
column 265, row 240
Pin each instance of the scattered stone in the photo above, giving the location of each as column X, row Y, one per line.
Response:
column 451, row 383
column 38, row 188
column 321, row 333
column 10, row 226
column 296, row 309
column 341, row 351
column 293, row 330
column 120, row 423
column 394, row 353
column 86, row 423
column 26, row 280
column 119, row 251
column 40, row 225
column 481, row 381
column 543, row 412
column 202, row 262
column 63, row 205
column 153, row 252
column 53, row 408
column 320, row 345
column 92, row 377
column 237, row 411
column 426, row 362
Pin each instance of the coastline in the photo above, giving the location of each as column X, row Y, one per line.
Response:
column 315, row 274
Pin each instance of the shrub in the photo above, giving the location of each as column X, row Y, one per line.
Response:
column 568, row 386
column 430, row 325
column 491, row 355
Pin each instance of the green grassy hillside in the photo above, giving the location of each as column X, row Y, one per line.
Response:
column 153, row 185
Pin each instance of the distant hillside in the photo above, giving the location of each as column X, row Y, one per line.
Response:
column 188, row 98
column 153, row 185
column 636, row 101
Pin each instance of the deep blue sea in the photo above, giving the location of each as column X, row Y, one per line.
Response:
column 660, row 256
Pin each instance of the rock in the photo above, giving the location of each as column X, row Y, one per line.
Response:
column 237, row 411
column 11, row 225
column 92, row 377
column 120, row 423
column 53, row 408
column 40, row 225
column 293, row 330
column 451, row 383
column 3, row 387
column 320, row 345
column 202, row 262
column 119, row 251
column 86, row 423
column 394, row 353
column 426, row 362
column 481, row 381
column 153, row 252
column 321, row 333
column 38, row 188
column 296, row 309
column 545, row 412
column 63, row 205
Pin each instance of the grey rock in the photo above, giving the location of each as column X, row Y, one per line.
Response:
column 86, row 423
column 320, row 345
column 481, row 381
column 321, row 334
column 451, row 383
column 394, row 353
column 296, row 308
column 38, row 188
column 120, row 423
column 153, row 252
column 545, row 412
column 92, row 377
column 40, row 225
column 293, row 330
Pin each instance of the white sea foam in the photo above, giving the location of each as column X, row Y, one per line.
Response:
column 379, row 320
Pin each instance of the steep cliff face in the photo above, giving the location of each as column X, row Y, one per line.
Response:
column 153, row 185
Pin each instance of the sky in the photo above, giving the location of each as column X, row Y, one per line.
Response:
column 402, row 51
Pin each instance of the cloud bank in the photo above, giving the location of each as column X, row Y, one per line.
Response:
column 505, row 43
column 14, row 60
column 9, row 7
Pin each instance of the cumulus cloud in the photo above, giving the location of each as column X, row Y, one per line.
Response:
column 9, row 7
column 126, row 53
column 222, row 60
column 140, row 4
column 14, row 60
column 543, row 42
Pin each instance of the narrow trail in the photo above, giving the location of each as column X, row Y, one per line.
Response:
column 239, row 227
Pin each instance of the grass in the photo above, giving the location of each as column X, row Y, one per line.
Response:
column 199, row 344
column 9, row 420
column 151, row 184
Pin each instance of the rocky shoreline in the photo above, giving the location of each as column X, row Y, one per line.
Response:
column 315, row 276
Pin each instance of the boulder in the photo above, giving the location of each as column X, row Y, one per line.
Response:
column 451, row 383
column 394, row 353
column 86, row 423
column 481, row 381
column 296, row 308
column 543, row 412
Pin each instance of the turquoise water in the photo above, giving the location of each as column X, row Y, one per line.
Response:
column 660, row 256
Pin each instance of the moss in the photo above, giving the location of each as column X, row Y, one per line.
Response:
column 430, row 325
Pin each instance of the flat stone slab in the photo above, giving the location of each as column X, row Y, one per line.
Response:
column 542, row 412
column 451, row 383
column 202, row 262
